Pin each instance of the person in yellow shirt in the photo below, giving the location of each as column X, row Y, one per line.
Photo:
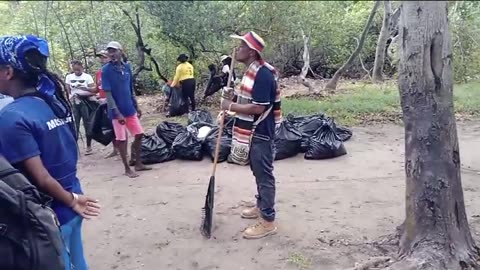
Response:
column 185, row 80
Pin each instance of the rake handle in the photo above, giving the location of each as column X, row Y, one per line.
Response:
column 222, row 119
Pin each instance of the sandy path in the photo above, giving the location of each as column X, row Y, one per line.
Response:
column 327, row 210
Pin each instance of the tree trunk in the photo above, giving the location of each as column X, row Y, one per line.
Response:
column 436, row 233
column 84, row 52
column 382, row 43
column 306, row 62
column 332, row 84
column 72, row 56
column 37, row 32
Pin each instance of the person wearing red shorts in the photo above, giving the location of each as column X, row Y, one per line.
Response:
column 122, row 106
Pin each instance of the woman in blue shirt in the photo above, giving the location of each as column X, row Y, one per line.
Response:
column 37, row 136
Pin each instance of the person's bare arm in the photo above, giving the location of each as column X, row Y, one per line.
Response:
column 111, row 101
column 83, row 205
column 251, row 109
column 44, row 181
column 69, row 90
column 90, row 88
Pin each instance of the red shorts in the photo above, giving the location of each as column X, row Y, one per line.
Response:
column 132, row 124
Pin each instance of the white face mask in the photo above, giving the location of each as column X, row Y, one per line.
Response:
column 4, row 100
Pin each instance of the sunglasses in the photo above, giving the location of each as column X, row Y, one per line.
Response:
column 79, row 81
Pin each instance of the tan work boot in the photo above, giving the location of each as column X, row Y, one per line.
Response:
column 251, row 213
column 261, row 229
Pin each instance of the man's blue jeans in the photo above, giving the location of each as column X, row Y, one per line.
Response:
column 261, row 164
column 72, row 237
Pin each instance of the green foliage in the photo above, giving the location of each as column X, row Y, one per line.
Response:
column 75, row 29
column 369, row 101
column 465, row 26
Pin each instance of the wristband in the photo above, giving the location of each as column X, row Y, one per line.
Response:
column 75, row 200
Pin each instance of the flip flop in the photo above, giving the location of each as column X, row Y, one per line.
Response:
column 143, row 169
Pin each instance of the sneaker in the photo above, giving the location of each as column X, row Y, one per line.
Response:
column 261, row 229
column 251, row 213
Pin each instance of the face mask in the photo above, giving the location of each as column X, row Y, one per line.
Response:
column 4, row 100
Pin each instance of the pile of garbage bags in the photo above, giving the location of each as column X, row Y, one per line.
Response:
column 316, row 136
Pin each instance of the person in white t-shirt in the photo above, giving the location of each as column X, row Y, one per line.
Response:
column 4, row 100
column 82, row 91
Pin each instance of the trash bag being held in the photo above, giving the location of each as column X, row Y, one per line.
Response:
column 186, row 146
column 287, row 141
column 325, row 143
column 101, row 128
column 177, row 103
column 168, row 131
column 200, row 116
column 225, row 144
column 155, row 150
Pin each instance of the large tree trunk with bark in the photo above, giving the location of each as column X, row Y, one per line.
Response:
column 382, row 43
column 332, row 84
column 306, row 62
column 435, row 234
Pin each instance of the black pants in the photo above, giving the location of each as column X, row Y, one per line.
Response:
column 261, row 164
column 188, row 90
column 84, row 111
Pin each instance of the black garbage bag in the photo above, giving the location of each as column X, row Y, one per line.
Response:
column 202, row 116
column 186, row 146
column 307, row 125
column 155, row 150
column 101, row 128
column 177, row 103
column 287, row 141
column 325, row 143
column 92, row 107
column 225, row 144
column 228, row 122
column 214, row 85
column 195, row 127
column 168, row 131
column 343, row 133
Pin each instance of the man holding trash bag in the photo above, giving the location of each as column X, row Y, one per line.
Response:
column 257, row 108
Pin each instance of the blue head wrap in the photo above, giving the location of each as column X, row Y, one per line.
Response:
column 12, row 53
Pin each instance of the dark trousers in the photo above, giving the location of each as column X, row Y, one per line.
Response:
column 261, row 164
column 188, row 91
column 83, row 111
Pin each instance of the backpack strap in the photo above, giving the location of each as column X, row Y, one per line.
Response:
column 7, row 172
column 263, row 116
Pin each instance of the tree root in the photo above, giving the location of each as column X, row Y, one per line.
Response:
column 374, row 262
column 434, row 258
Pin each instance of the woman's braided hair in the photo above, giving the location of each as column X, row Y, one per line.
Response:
column 60, row 104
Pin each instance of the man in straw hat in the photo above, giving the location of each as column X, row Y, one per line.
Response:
column 257, row 108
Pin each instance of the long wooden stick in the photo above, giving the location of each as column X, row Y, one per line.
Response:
column 222, row 119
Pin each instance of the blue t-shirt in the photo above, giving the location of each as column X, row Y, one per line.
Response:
column 29, row 128
column 117, row 79
column 264, row 93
